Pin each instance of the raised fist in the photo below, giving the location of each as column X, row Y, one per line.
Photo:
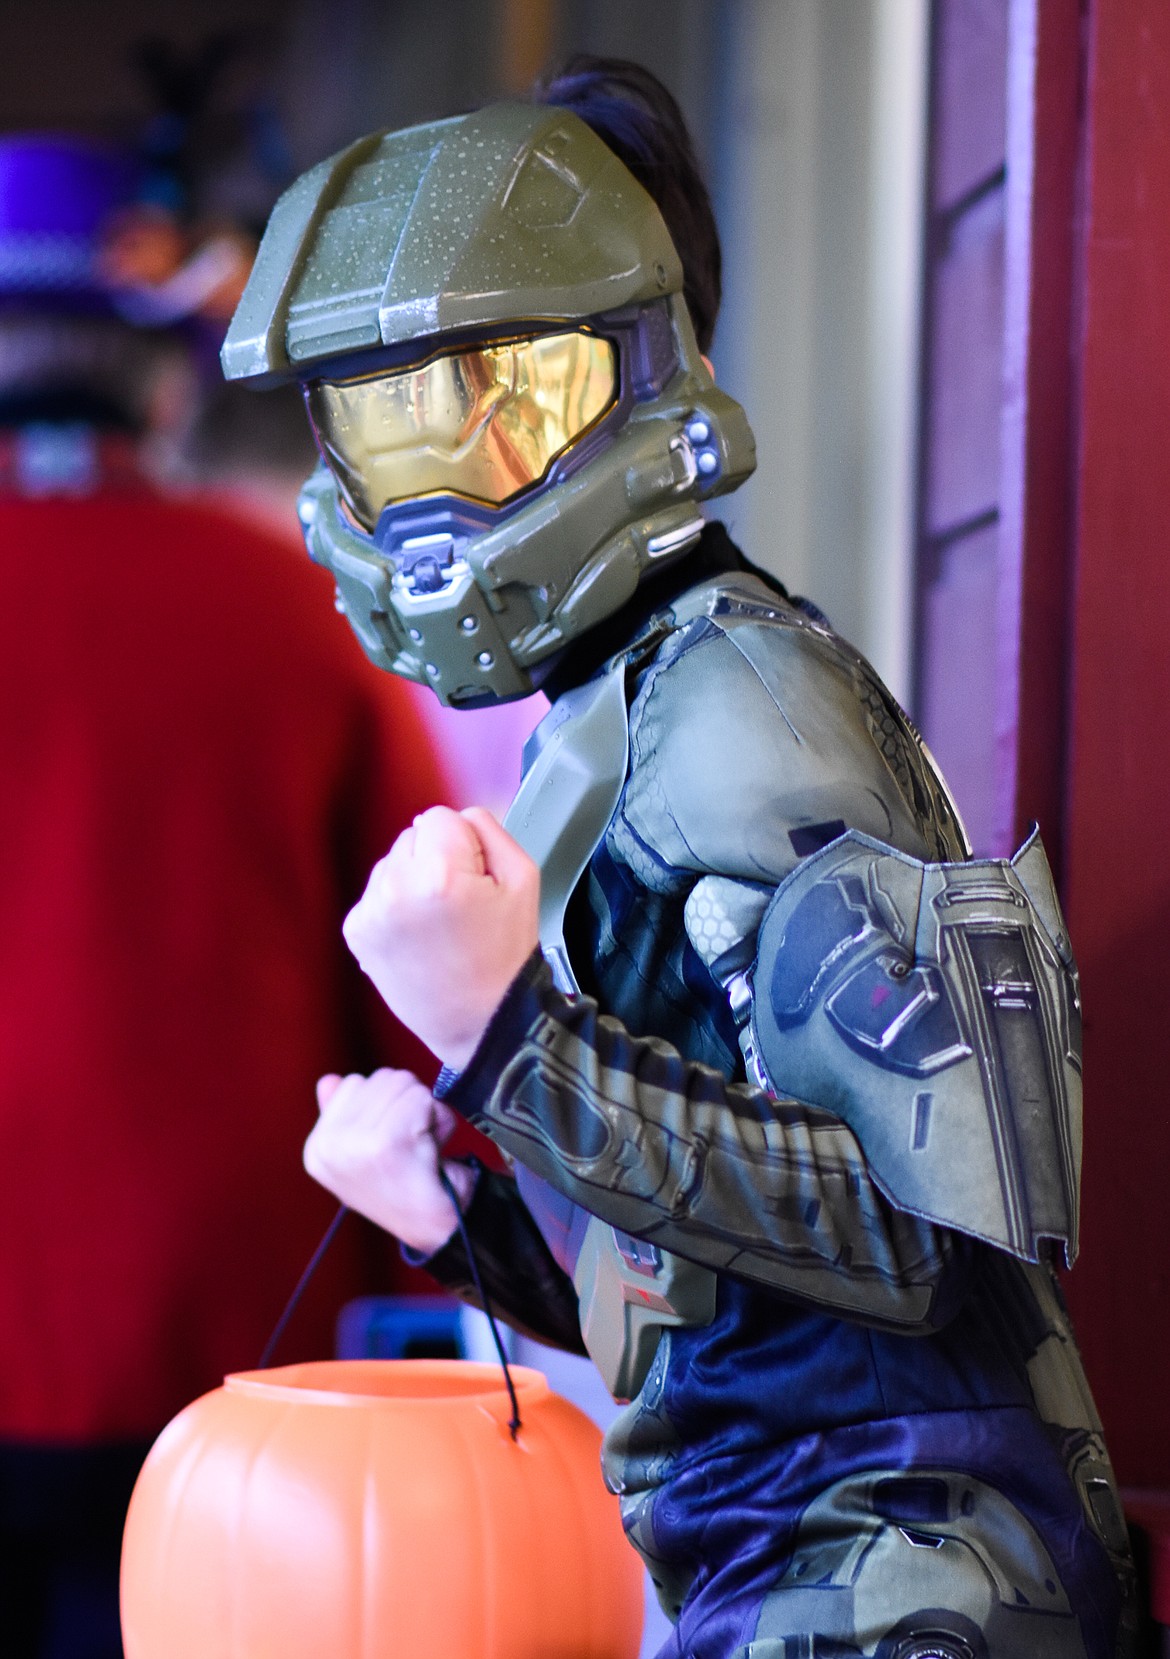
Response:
column 447, row 920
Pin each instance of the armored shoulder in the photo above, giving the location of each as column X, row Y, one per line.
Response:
column 758, row 736
column 935, row 1009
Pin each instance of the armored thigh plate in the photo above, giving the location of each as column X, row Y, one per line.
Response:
column 928, row 1565
column 935, row 1008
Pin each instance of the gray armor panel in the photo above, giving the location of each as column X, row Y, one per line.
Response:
column 934, row 1007
column 573, row 779
column 629, row 1290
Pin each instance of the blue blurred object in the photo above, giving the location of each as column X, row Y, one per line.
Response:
column 58, row 195
column 400, row 1327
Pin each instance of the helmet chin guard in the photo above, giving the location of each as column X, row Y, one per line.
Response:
column 468, row 599
column 514, row 220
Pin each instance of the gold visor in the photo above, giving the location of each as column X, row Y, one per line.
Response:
column 483, row 424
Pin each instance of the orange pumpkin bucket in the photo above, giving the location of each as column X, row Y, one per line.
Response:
column 377, row 1509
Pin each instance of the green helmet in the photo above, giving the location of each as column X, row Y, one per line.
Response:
column 515, row 422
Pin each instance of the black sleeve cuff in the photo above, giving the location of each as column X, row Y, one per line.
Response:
column 467, row 1090
column 524, row 1283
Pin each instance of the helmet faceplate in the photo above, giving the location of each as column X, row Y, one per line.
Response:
column 484, row 423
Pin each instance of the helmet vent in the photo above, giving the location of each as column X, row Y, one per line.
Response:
column 425, row 561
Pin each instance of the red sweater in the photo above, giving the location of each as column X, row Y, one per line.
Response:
column 197, row 768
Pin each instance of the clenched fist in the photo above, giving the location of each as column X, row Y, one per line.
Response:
column 447, row 920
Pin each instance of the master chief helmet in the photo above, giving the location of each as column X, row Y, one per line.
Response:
column 514, row 421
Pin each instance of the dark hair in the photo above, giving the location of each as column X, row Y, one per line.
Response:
column 639, row 119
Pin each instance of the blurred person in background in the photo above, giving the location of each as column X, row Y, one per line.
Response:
column 195, row 774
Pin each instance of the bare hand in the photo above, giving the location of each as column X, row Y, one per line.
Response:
column 447, row 920
column 377, row 1146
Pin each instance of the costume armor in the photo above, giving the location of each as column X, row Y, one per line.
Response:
column 845, row 948
column 766, row 1024
column 884, row 1397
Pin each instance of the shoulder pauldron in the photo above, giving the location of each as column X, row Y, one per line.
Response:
column 935, row 1008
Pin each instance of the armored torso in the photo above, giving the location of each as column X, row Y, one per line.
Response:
column 829, row 1380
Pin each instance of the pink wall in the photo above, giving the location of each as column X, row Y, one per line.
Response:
column 480, row 748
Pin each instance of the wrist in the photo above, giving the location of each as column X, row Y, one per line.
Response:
column 461, row 1056
column 436, row 1229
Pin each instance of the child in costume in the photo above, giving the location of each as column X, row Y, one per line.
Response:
column 791, row 1084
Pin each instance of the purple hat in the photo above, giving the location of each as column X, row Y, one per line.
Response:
column 57, row 195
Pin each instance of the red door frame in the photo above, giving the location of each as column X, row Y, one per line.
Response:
column 1086, row 709
column 1038, row 455
column 1117, row 876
